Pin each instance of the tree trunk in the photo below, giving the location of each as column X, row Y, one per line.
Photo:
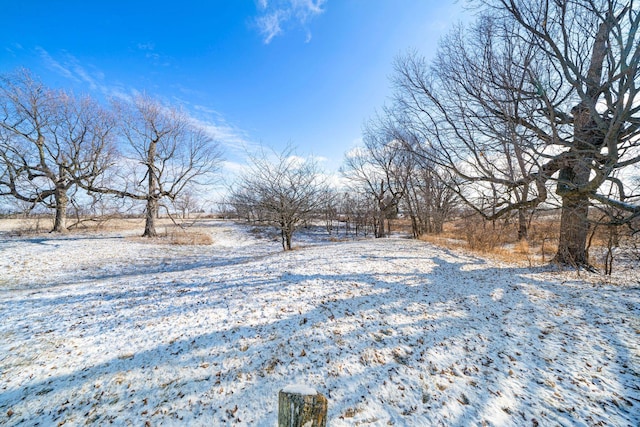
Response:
column 288, row 236
column 574, row 220
column 283, row 235
column 152, row 191
column 573, row 178
column 150, row 220
column 437, row 224
column 380, row 224
column 574, row 228
column 415, row 229
column 523, row 231
column 61, row 200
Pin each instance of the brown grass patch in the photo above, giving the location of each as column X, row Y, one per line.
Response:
column 176, row 237
column 444, row 240
column 499, row 240
column 26, row 226
column 190, row 238
column 522, row 247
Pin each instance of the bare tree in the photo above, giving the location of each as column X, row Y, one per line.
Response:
column 473, row 91
column 357, row 210
column 243, row 203
column 186, row 203
column 329, row 209
column 286, row 189
column 381, row 168
column 428, row 198
column 569, row 109
column 50, row 143
column 163, row 154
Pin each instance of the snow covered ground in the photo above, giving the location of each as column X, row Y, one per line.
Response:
column 108, row 328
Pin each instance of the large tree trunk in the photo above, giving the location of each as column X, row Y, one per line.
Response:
column 152, row 190
column 379, row 231
column 61, row 201
column 523, row 225
column 572, row 187
column 574, row 228
column 574, row 178
column 574, row 221
column 150, row 219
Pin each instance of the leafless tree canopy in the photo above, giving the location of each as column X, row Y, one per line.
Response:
column 50, row 143
column 163, row 154
column 534, row 95
column 283, row 190
column 534, row 104
column 54, row 145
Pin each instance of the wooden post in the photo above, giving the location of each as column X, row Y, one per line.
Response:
column 301, row 406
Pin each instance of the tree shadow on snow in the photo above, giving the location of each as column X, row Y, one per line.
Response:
column 425, row 338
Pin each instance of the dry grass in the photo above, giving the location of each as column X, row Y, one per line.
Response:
column 499, row 240
column 168, row 231
column 37, row 225
column 25, row 227
column 522, row 248
column 446, row 240
column 190, row 238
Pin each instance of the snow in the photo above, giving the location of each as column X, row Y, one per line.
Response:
column 110, row 328
column 302, row 389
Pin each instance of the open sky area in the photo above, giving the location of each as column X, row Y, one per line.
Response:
column 305, row 73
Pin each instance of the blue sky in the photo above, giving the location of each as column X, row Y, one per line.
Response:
column 274, row 72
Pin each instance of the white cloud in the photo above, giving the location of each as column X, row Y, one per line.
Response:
column 71, row 68
column 55, row 65
column 146, row 46
column 269, row 25
column 13, row 49
column 296, row 160
column 335, row 180
column 232, row 138
column 319, row 159
column 355, row 151
column 279, row 14
column 150, row 53
column 308, row 7
column 207, row 119
column 235, row 140
column 235, row 168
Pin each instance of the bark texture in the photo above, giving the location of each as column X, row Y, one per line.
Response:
column 298, row 410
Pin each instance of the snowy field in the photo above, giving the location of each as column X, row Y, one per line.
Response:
column 99, row 329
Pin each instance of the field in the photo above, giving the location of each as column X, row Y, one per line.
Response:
column 99, row 328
